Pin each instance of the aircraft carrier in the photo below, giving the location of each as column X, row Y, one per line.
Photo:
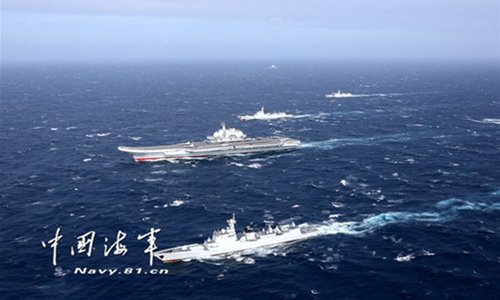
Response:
column 224, row 142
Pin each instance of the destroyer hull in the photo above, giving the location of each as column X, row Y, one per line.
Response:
column 203, row 150
column 200, row 252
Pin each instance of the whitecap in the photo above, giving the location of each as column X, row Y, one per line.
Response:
column 248, row 261
column 91, row 135
column 103, row 134
column 152, row 179
column 177, row 203
column 257, row 159
column 180, row 171
column 255, row 166
column 60, row 272
column 159, row 172
column 405, row 258
column 334, row 216
column 236, row 164
column 487, row 121
column 22, row 239
column 337, row 204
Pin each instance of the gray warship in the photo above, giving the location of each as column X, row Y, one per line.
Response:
column 227, row 241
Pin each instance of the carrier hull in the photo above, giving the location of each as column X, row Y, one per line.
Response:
column 203, row 150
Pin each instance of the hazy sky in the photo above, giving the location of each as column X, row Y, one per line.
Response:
column 152, row 30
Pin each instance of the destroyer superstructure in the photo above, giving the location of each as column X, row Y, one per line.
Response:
column 224, row 142
column 226, row 241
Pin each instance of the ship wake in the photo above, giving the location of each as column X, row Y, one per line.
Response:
column 362, row 95
column 325, row 115
column 334, row 143
column 487, row 121
column 443, row 211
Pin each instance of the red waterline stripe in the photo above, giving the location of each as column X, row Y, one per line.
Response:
column 166, row 157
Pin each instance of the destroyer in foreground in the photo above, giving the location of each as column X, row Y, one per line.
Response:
column 224, row 142
column 226, row 242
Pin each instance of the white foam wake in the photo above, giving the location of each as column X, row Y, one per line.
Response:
column 334, row 143
column 349, row 95
column 487, row 121
column 444, row 211
column 324, row 115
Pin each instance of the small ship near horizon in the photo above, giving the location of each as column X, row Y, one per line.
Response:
column 226, row 241
column 262, row 115
column 224, row 142
column 339, row 94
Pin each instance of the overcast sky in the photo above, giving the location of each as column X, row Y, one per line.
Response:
column 158, row 30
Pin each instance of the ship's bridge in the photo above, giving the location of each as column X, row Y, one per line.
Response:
column 226, row 135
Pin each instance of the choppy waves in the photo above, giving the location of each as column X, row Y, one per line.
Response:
column 375, row 197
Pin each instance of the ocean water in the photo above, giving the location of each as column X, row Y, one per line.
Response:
column 403, row 182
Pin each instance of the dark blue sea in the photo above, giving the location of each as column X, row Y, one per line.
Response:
column 404, row 179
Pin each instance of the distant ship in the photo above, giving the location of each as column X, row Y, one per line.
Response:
column 227, row 242
column 224, row 142
column 274, row 67
column 339, row 94
column 261, row 115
